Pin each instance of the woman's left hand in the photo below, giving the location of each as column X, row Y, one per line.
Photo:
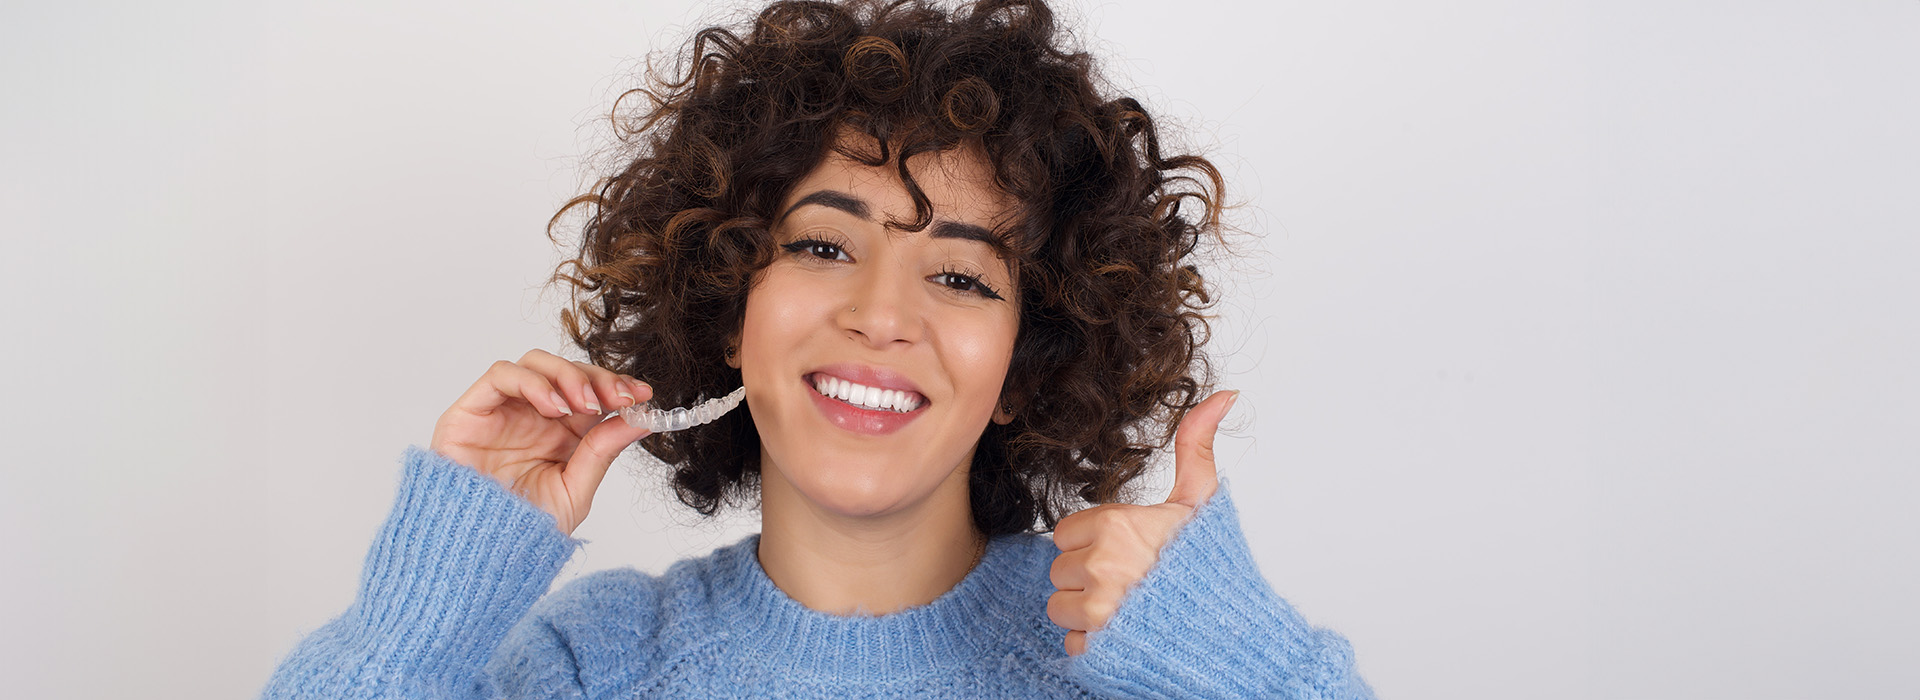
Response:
column 1105, row 549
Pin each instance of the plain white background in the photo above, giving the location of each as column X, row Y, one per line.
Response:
column 1577, row 338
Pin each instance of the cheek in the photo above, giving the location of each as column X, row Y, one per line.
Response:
column 978, row 354
column 758, row 336
column 775, row 312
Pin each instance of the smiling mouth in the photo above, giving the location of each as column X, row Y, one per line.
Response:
column 866, row 397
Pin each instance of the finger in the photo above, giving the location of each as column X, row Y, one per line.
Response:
column 505, row 380
column 567, row 376
column 595, row 454
column 1081, row 610
column 1080, row 529
column 626, row 392
column 1103, row 568
column 611, row 388
column 1069, row 572
column 1194, row 473
column 1076, row 643
column 634, row 390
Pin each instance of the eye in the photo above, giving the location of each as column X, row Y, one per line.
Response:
column 965, row 283
column 824, row 250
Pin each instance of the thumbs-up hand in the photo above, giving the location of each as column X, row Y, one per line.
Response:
column 1105, row 549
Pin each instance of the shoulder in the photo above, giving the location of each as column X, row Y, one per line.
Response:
column 619, row 627
column 1023, row 580
column 1031, row 557
column 612, row 602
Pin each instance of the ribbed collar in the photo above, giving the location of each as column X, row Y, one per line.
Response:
column 965, row 624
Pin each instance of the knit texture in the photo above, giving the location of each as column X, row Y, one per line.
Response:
column 450, row 606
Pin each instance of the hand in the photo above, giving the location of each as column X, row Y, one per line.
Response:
column 536, row 426
column 1106, row 549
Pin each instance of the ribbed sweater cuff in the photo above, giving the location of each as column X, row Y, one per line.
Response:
column 458, row 562
column 1205, row 623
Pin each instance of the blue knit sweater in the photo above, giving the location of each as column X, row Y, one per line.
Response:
column 451, row 606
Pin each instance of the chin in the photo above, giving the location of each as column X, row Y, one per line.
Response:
column 855, row 489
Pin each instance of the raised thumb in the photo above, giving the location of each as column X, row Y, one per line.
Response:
column 1194, row 475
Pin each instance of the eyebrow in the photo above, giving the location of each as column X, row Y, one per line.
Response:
column 955, row 229
column 834, row 199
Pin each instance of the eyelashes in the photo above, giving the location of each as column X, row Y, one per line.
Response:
column 814, row 247
column 827, row 248
column 968, row 283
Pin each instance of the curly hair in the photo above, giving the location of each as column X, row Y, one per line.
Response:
column 1102, row 238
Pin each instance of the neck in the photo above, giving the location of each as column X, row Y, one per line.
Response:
column 866, row 565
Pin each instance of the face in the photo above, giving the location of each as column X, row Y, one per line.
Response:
column 873, row 357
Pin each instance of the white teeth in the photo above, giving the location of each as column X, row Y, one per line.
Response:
column 866, row 396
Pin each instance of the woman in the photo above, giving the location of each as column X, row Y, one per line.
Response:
column 952, row 277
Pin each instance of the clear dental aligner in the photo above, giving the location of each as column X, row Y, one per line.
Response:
column 659, row 421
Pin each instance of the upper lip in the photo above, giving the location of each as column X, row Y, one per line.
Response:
column 878, row 377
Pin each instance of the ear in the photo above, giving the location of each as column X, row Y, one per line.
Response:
column 733, row 352
column 1003, row 413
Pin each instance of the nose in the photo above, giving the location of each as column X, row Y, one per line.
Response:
column 883, row 309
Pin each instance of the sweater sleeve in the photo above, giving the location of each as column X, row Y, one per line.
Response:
column 1205, row 624
column 455, row 567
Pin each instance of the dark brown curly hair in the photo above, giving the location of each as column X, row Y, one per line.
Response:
column 1102, row 239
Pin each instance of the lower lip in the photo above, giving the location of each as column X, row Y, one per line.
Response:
column 860, row 420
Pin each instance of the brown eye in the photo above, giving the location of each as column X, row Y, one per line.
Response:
column 964, row 283
column 958, row 282
column 816, row 248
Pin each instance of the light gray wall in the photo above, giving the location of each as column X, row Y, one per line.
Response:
column 1577, row 344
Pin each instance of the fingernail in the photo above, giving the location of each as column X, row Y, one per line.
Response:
column 1230, row 401
column 623, row 392
column 592, row 404
column 561, row 401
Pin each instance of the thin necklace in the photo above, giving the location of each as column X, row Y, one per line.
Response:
column 979, row 552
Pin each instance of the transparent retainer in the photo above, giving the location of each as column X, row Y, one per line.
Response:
column 663, row 421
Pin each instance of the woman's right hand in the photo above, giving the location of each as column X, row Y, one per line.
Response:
column 536, row 426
